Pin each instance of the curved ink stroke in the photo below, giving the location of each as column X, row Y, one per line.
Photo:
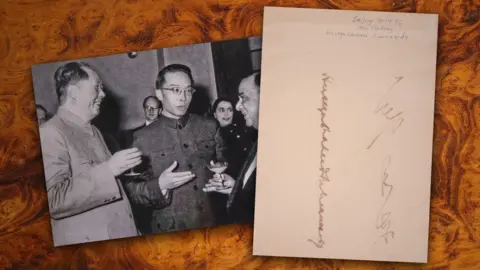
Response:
column 383, row 221
column 385, row 108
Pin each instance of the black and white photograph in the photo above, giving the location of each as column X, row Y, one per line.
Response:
column 149, row 142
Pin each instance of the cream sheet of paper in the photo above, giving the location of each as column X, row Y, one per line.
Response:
column 336, row 63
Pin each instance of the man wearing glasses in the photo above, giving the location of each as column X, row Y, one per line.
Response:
column 178, row 147
column 152, row 107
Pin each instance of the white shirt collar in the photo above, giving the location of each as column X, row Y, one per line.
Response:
column 148, row 122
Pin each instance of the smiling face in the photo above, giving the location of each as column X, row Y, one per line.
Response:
column 175, row 94
column 248, row 94
column 224, row 113
column 87, row 95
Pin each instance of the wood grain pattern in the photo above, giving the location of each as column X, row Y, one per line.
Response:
column 38, row 31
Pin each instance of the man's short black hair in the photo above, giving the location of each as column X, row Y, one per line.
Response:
column 172, row 68
column 67, row 74
column 256, row 79
column 154, row 98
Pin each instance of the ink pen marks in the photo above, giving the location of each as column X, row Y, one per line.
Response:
column 394, row 117
column 325, row 129
column 318, row 244
column 383, row 218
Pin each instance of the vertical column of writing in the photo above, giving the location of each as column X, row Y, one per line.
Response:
column 325, row 129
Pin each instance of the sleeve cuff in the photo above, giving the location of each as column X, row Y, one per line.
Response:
column 165, row 192
column 160, row 197
column 153, row 186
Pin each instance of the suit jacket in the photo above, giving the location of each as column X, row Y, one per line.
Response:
column 141, row 213
column 138, row 128
column 239, row 140
column 87, row 203
column 241, row 201
column 127, row 136
column 192, row 141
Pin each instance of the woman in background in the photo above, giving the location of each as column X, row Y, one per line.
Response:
column 238, row 137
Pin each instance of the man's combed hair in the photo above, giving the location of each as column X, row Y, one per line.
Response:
column 172, row 68
column 160, row 106
column 67, row 74
column 257, row 79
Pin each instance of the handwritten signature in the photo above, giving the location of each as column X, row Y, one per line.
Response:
column 383, row 219
column 326, row 80
column 395, row 120
column 385, row 108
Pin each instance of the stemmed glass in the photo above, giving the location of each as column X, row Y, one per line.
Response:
column 218, row 168
column 129, row 143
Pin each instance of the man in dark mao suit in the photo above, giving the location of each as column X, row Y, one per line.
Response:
column 177, row 146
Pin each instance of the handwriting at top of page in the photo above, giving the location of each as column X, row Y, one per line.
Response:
column 378, row 28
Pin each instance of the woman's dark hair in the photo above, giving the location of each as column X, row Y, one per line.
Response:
column 215, row 104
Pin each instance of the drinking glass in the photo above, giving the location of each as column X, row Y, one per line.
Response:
column 218, row 168
column 129, row 143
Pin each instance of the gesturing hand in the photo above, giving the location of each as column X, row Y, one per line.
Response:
column 170, row 180
column 221, row 183
column 124, row 160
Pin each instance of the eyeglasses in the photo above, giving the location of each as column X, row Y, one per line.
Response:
column 150, row 108
column 178, row 91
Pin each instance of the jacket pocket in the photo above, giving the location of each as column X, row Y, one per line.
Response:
column 160, row 159
column 206, row 145
column 163, row 153
column 82, row 164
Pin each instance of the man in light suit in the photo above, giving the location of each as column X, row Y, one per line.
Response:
column 86, row 200
column 241, row 200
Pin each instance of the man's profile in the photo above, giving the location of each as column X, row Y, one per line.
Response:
column 85, row 198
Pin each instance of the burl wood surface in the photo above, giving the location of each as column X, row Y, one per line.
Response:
column 37, row 31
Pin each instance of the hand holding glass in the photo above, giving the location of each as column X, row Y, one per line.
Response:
column 220, row 182
column 129, row 143
column 223, row 184
column 124, row 160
